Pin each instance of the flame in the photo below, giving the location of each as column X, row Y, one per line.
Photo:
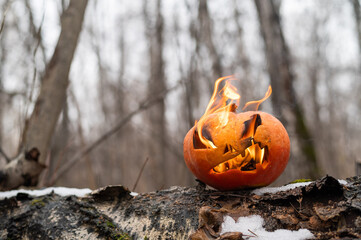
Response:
column 223, row 101
column 218, row 104
column 254, row 105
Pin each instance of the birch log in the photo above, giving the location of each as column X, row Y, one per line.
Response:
column 325, row 207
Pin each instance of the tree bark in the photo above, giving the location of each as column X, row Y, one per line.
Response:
column 284, row 100
column 41, row 125
column 326, row 208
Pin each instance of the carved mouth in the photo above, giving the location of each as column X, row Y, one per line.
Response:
column 245, row 161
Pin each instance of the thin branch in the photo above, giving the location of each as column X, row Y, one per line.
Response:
column 295, row 209
column 39, row 43
column 142, row 106
column 30, row 94
column 140, row 174
column 253, row 233
column 11, row 94
column 4, row 17
column 36, row 31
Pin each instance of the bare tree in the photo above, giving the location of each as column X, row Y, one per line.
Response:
column 243, row 61
column 319, row 72
column 3, row 56
column 39, row 129
column 357, row 14
column 205, row 30
column 157, row 84
column 284, row 99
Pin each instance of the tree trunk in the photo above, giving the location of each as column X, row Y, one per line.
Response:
column 206, row 36
column 243, row 61
column 156, row 85
column 284, row 99
column 60, row 147
column 326, row 208
column 357, row 14
column 41, row 125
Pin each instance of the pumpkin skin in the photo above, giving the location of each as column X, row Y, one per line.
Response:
column 269, row 134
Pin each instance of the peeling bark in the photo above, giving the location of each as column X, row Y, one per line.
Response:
column 326, row 208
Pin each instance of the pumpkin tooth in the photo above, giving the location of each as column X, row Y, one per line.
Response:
column 260, row 144
column 232, row 149
column 226, row 149
column 251, row 165
column 243, row 154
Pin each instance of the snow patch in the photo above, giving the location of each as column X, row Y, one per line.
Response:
column 342, row 182
column 251, row 225
column 134, row 194
column 261, row 191
column 61, row 191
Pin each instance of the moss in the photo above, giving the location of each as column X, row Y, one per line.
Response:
column 110, row 224
column 100, row 223
column 39, row 202
column 122, row 236
column 105, row 226
column 307, row 143
column 301, row 180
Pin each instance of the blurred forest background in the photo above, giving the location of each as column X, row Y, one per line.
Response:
column 143, row 72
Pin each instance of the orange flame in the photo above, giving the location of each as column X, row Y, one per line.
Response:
column 224, row 101
column 254, row 105
column 218, row 103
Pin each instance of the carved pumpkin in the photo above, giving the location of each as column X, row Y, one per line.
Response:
column 251, row 149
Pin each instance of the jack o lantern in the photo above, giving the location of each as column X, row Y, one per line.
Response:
column 229, row 150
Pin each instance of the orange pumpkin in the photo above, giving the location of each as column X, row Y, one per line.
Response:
column 251, row 150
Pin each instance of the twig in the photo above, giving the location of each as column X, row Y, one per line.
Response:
column 35, row 72
column 295, row 209
column 38, row 35
column 4, row 155
column 36, row 31
column 142, row 106
column 252, row 233
column 140, row 173
column 299, row 200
